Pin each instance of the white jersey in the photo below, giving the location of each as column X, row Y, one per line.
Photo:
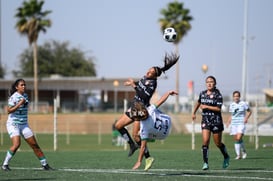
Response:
column 156, row 126
column 238, row 112
column 20, row 116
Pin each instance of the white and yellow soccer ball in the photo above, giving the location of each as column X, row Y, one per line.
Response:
column 169, row 34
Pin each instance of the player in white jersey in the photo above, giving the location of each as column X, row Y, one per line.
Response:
column 17, row 125
column 157, row 126
column 150, row 124
column 240, row 113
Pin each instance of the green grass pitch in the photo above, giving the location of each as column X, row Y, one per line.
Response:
column 93, row 157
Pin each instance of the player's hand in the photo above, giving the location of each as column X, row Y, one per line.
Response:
column 22, row 101
column 193, row 116
column 246, row 120
column 129, row 82
column 203, row 106
column 137, row 165
column 172, row 92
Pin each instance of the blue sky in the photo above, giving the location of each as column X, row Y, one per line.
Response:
column 125, row 38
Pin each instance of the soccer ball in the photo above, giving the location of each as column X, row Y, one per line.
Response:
column 169, row 34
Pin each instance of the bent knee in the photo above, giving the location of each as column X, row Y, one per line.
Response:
column 118, row 126
column 124, row 121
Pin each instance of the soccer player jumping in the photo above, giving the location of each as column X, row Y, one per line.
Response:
column 145, row 89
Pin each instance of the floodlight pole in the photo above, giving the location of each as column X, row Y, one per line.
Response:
column 244, row 64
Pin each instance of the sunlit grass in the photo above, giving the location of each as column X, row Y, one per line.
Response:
column 88, row 158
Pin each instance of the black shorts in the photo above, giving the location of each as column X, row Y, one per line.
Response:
column 212, row 123
column 128, row 113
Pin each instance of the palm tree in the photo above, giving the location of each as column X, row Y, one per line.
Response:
column 30, row 23
column 178, row 17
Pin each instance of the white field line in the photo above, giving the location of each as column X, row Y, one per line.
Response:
column 160, row 172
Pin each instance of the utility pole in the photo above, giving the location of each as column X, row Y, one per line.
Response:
column 244, row 64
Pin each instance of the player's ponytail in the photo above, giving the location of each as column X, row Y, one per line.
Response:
column 158, row 71
column 169, row 61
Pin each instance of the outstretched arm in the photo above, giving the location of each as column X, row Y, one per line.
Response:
column 165, row 97
column 130, row 82
column 141, row 154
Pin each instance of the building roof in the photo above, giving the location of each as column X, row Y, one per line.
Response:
column 268, row 92
column 72, row 83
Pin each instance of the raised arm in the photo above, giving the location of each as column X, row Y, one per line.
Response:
column 165, row 97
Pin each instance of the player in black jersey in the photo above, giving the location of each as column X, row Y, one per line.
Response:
column 145, row 89
column 210, row 102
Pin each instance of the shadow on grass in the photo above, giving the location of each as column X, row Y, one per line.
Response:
column 201, row 173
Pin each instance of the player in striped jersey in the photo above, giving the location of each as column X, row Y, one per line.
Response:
column 240, row 113
column 150, row 124
column 17, row 125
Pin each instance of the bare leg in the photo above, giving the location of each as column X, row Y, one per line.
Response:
column 120, row 126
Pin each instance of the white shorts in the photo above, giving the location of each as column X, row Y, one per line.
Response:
column 18, row 129
column 235, row 129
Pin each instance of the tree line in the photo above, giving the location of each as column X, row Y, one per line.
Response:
column 55, row 57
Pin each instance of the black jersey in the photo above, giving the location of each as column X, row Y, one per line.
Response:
column 145, row 89
column 214, row 99
column 211, row 120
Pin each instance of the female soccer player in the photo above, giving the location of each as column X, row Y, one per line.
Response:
column 144, row 88
column 240, row 113
column 17, row 125
column 150, row 124
column 210, row 101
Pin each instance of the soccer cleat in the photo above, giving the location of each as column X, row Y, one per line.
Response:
column 205, row 166
column 237, row 157
column 148, row 163
column 133, row 148
column 47, row 167
column 6, row 168
column 244, row 155
column 226, row 162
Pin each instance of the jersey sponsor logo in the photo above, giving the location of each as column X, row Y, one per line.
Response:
column 208, row 101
